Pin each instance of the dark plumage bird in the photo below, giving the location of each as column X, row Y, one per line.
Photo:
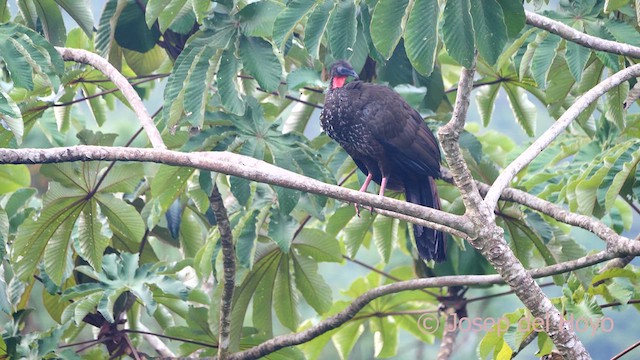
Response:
column 389, row 141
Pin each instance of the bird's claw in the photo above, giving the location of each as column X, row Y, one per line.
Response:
column 357, row 206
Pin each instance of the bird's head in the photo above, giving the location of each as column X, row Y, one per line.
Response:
column 340, row 71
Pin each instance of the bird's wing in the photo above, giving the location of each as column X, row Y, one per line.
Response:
column 400, row 129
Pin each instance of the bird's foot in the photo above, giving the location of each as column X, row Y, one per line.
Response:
column 370, row 208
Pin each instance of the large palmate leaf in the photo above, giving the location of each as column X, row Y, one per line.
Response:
column 81, row 12
column 457, row 31
column 342, row 29
column 186, row 92
column 278, row 278
column 120, row 274
column 50, row 18
column 27, row 54
column 288, row 18
column 387, row 25
column 260, row 61
column 316, row 26
column 421, row 37
column 72, row 199
column 52, row 229
column 489, row 29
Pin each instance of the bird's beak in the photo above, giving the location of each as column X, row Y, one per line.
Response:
column 354, row 74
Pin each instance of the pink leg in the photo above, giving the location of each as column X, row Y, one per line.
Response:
column 366, row 182
column 383, row 185
column 362, row 189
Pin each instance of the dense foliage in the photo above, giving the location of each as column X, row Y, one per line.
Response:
column 103, row 244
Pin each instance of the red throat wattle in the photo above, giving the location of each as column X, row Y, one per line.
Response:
column 338, row 81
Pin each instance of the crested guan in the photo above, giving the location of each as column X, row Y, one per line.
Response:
column 389, row 141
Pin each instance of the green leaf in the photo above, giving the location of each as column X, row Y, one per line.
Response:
column 387, row 25
column 33, row 235
column 122, row 178
column 186, row 89
column 285, row 299
column 356, row 231
column 342, row 29
column 421, row 37
column 457, row 31
column 385, row 337
column 346, row 338
column 281, row 229
column 257, row 19
column 259, row 60
column 91, row 239
column 514, row 16
column 543, row 58
column 123, row 219
column 318, row 245
column 228, row 83
column 145, row 63
column 623, row 32
column 80, row 11
column 287, row 198
column 287, row 20
column 132, row 21
column 246, row 238
column 316, row 26
column 14, row 177
column 268, row 259
column 614, row 104
column 311, row 285
column 303, row 77
column 57, row 254
column 154, row 9
column 122, row 273
column 577, row 56
column 613, row 5
column 489, row 28
column 523, row 109
column 51, row 20
column 486, row 100
column 26, row 54
column 622, row 174
column 169, row 183
column 97, row 104
column 385, row 230
column 171, row 15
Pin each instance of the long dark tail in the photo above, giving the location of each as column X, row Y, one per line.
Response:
column 430, row 243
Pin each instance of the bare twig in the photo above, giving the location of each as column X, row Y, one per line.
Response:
column 571, row 34
column 229, row 266
column 123, row 84
column 152, row 339
column 188, row 341
column 626, row 351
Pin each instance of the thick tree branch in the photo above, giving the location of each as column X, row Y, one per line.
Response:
column 571, row 34
column 229, row 266
column 101, row 64
column 237, row 165
column 490, row 241
column 505, row 177
column 360, row 302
